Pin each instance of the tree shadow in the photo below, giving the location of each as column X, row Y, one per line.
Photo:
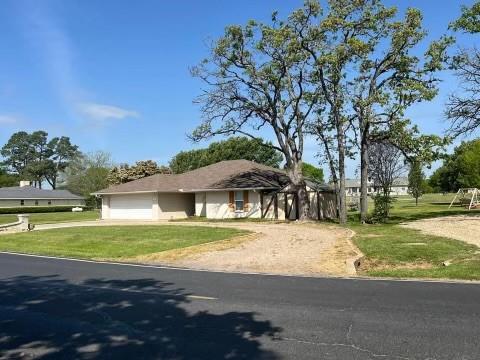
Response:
column 49, row 318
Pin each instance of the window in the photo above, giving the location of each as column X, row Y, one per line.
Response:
column 49, row 202
column 36, row 202
column 238, row 200
column 22, row 202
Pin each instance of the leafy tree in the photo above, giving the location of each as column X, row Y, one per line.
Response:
column 7, row 179
column 17, row 152
column 233, row 148
column 86, row 174
column 62, row 153
column 313, row 173
column 125, row 173
column 33, row 157
column 416, row 180
column 464, row 110
column 459, row 170
column 256, row 78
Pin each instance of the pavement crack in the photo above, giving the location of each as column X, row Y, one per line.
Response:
column 351, row 346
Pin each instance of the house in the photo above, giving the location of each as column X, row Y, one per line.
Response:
column 26, row 195
column 352, row 187
column 227, row 189
column 399, row 187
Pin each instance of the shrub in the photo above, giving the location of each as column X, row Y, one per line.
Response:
column 40, row 209
column 382, row 205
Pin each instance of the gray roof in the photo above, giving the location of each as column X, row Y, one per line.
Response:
column 30, row 192
column 224, row 175
column 401, row 181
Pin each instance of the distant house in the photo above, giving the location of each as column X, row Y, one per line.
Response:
column 399, row 187
column 227, row 189
column 26, row 195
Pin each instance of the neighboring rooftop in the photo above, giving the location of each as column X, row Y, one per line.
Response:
column 30, row 192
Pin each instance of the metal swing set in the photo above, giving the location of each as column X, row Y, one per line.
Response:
column 469, row 197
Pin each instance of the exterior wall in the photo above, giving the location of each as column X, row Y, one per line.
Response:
column 164, row 206
column 217, row 206
column 41, row 202
column 201, row 204
column 105, row 207
column 399, row 190
column 175, row 206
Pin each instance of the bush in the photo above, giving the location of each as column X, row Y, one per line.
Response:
column 41, row 209
column 382, row 205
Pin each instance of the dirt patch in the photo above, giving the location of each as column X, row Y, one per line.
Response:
column 465, row 228
column 369, row 265
column 293, row 249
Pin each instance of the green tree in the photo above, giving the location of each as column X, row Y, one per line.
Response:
column 459, row 170
column 256, row 79
column 63, row 152
column 125, row 173
column 86, row 174
column 234, row 148
column 7, row 179
column 313, row 173
column 416, row 180
column 33, row 157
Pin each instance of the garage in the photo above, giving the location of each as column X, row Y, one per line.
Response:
column 135, row 206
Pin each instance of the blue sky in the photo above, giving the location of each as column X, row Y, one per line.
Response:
column 114, row 75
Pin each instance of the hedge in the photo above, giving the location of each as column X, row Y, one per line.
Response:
column 40, row 209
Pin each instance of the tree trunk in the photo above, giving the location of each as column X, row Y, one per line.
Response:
column 342, row 206
column 298, row 183
column 364, row 176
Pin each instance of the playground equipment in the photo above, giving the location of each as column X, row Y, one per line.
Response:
column 469, row 197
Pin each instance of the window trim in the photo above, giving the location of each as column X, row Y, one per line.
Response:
column 237, row 199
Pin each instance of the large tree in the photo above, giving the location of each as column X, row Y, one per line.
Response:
column 459, row 170
column 125, row 173
column 7, row 179
column 463, row 110
column 233, row 148
column 86, row 174
column 257, row 78
column 33, row 157
column 63, row 152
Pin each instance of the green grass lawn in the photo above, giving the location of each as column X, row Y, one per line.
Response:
column 112, row 242
column 394, row 251
column 53, row 217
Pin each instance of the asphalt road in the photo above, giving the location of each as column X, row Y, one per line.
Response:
column 61, row 309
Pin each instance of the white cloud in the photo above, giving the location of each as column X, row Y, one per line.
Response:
column 9, row 119
column 104, row 112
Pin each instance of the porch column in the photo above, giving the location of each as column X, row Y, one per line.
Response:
column 155, row 207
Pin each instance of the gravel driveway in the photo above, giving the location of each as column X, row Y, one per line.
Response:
column 276, row 248
column 465, row 227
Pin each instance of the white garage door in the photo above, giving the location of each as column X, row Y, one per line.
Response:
column 138, row 206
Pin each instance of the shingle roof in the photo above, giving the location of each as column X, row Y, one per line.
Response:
column 231, row 174
column 30, row 192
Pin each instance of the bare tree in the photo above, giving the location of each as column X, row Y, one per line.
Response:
column 464, row 110
column 386, row 164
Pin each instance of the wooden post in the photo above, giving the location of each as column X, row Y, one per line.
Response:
column 262, row 215
column 295, row 198
column 318, row 205
column 275, row 206
column 285, row 205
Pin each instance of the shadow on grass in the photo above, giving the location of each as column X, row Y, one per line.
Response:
column 49, row 318
column 396, row 218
